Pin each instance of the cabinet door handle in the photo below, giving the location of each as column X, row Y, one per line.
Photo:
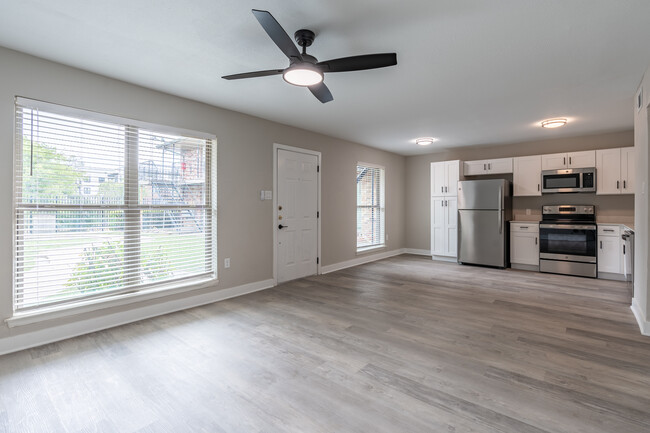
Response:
column 569, row 160
column 608, row 230
column 442, row 189
column 537, row 187
column 523, row 227
column 564, row 161
column 535, row 240
column 624, row 185
column 601, row 245
column 617, row 184
column 484, row 167
column 623, row 249
column 446, row 189
column 490, row 166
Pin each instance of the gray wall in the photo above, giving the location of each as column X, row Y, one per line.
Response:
column 609, row 208
column 245, row 166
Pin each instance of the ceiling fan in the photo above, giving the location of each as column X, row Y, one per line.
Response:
column 305, row 70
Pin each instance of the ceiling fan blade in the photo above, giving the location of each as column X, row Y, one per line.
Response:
column 253, row 74
column 359, row 63
column 321, row 92
column 277, row 33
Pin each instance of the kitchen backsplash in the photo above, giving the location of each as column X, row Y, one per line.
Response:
column 609, row 208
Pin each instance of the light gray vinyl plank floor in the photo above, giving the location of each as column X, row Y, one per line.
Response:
column 400, row 345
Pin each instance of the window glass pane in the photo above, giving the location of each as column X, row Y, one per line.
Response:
column 171, row 169
column 71, row 161
column 175, row 244
column 370, row 206
column 68, row 254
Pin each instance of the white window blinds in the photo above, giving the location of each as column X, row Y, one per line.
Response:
column 370, row 206
column 105, row 205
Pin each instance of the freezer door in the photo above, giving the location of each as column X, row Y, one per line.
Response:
column 481, row 237
column 482, row 194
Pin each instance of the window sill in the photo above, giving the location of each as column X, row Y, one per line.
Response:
column 59, row 311
column 365, row 250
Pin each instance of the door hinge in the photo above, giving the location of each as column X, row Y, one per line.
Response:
column 317, row 260
column 318, row 169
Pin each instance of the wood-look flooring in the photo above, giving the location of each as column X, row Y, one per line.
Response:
column 400, row 345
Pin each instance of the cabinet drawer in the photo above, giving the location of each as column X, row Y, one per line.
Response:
column 531, row 227
column 609, row 230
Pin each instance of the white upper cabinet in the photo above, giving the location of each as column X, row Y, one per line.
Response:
column 586, row 159
column 487, row 166
column 444, row 178
column 615, row 171
column 527, row 176
column 628, row 169
column 557, row 161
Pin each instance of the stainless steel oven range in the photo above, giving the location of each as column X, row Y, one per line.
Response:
column 567, row 240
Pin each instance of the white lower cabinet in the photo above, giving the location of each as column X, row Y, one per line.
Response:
column 444, row 226
column 610, row 251
column 524, row 244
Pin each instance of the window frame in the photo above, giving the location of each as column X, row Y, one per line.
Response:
column 381, row 207
column 132, row 210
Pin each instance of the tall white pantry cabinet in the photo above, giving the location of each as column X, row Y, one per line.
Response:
column 444, row 207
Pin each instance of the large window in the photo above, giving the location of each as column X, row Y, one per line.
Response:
column 370, row 207
column 105, row 206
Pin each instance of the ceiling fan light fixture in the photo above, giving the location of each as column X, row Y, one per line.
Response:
column 302, row 74
column 425, row 141
column 553, row 123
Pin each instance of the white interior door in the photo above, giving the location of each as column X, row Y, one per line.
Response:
column 297, row 221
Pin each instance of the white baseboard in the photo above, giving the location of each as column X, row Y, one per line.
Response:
column 611, row 276
column 27, row 340
column 445, row 259
column 360, row 260
column 416, row 251
column 644, row 325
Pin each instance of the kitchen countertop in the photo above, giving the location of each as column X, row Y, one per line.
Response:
column 626, row 225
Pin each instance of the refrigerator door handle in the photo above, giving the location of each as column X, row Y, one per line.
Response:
column 500, row 219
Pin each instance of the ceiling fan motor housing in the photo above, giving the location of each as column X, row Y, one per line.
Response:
column 304, row 37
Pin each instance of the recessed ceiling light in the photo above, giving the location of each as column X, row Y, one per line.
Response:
column 553, row 123
column 425, row 141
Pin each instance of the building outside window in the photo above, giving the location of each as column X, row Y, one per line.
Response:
column 106, row 206
column 371, row 225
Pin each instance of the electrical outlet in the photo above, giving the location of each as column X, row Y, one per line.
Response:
column 226, row 263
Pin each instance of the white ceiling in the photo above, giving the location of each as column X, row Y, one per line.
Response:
column 469, row 72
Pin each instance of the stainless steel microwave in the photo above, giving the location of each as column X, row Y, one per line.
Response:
column 569, row 180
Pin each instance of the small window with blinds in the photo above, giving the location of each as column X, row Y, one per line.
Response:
column 105, row 206
column 371, row 210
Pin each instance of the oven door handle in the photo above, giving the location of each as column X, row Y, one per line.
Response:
column 567, row 226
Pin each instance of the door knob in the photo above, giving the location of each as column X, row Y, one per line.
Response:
column 281, row 226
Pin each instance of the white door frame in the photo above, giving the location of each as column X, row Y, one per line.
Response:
column 277, row 146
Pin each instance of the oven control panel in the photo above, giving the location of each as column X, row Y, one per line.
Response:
column 568, row 209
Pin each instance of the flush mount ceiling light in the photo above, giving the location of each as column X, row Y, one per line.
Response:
column 425, row 141
column 553, row 123
column 302, row 74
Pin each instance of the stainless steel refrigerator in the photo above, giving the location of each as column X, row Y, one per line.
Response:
column 484, row 209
